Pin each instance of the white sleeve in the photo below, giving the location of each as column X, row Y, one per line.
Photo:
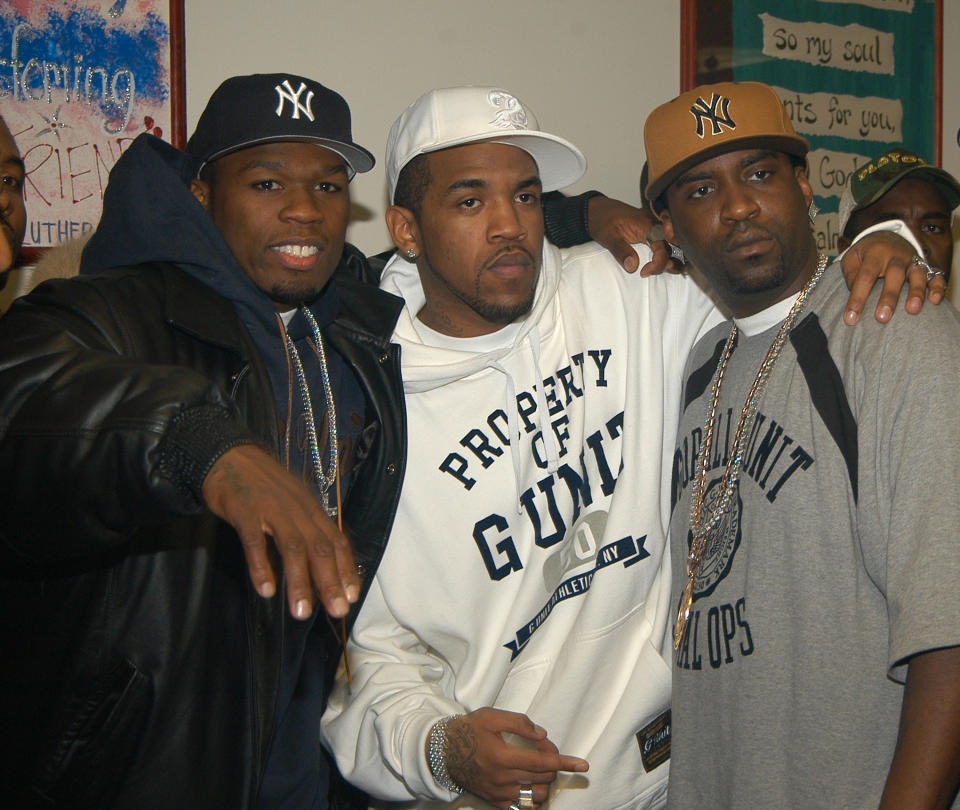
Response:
column 376, row 727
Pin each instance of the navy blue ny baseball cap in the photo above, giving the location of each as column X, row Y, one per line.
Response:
column 247, row 111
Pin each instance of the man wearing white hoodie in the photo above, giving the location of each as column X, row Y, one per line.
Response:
column 527, row 568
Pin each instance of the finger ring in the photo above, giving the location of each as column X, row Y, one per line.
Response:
column 525, row 800
column 919, row 261
column 923, row 264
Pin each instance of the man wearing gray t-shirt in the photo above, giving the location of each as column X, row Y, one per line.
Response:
column 815, row 566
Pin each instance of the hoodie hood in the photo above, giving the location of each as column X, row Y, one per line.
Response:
column 150, row 215
column 426, row 367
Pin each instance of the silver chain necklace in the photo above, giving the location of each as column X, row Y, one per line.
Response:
column 325, row 476
column 701, row 525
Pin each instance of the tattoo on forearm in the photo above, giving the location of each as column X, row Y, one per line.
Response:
column 462, row 748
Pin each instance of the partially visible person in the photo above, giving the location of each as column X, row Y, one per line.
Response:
column 901, row 185
column 815, row 563
column 13, row 213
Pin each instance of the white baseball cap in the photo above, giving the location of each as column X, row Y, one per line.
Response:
column 454, row 116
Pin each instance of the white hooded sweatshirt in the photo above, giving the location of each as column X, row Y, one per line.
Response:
column 528, row 568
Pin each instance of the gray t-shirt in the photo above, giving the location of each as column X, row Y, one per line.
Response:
column 837, row 561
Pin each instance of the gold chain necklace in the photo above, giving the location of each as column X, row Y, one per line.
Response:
column 702, row 525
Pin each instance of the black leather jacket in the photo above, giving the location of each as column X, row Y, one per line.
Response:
column 140, row 667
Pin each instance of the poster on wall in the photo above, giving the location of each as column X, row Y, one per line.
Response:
column 856, row 76
column 79, row 80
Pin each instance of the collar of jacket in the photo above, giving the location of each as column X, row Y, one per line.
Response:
column 193, row 307
column 200, row 311
column 365, row 309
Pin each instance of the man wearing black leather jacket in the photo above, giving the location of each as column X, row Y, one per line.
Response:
column 182, row 428
column 147, row 418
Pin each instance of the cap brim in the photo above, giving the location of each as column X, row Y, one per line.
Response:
column 791, row 144
column 560, row 162
column 357, row 158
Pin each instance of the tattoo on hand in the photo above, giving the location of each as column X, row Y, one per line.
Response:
column 232, row 478
column 462, row 747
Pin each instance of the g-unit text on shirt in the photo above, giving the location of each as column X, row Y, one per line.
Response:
column 485, row 444
column 550, row 507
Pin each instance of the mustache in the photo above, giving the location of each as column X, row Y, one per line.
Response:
column 744, row 233
column 510, row 249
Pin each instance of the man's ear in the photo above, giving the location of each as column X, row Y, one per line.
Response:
column 201, row 190
column 668, row 226
column 800, row 173
column 402, row 225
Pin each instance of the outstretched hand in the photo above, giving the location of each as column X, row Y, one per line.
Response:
column 617, row 226
column 252, row 492
column 483, row 763
column 885, row 254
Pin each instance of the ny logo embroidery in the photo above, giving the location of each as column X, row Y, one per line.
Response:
column 286, row 93
column 703, row 110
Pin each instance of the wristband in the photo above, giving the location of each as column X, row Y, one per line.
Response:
column 585, row 210
column 566, row 219
column 437, row 754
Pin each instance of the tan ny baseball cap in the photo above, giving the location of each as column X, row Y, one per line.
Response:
column 710, row 120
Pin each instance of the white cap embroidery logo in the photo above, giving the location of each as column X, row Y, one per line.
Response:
column 286, row 93
column 510, row 112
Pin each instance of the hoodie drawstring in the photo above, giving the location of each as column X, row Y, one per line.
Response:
column 549, row 440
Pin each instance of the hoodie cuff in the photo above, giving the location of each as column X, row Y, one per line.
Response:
column 566, row 219
column 197, row 437
column 897, row 226
column 416, row 767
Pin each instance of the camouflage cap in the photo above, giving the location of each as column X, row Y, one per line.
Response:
column 870, row 182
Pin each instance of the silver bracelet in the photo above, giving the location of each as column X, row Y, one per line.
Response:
column 437, row 754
